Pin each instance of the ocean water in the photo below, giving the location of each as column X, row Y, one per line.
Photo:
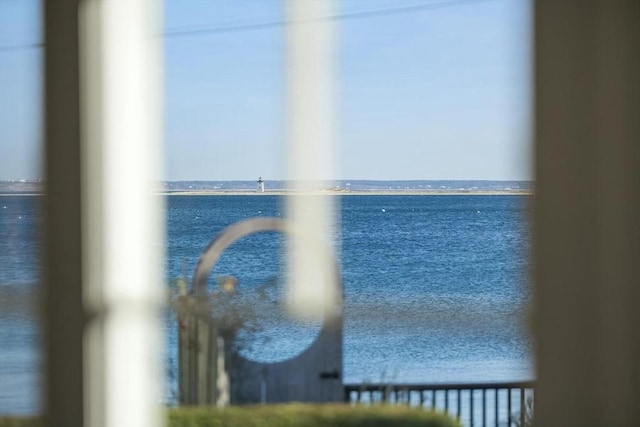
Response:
column 436, row 288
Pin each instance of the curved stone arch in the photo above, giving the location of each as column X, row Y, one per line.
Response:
column 315, row 374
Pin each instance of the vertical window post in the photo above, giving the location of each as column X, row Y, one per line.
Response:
column 104, row 221
column 310, row 57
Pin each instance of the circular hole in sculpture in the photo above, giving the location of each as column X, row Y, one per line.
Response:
column 249, row 283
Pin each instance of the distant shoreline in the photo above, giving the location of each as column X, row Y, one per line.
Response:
column 350, row 193
column 283, row 188
column 328, row 193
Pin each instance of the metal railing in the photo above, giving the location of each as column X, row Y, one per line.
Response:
column 474, row 404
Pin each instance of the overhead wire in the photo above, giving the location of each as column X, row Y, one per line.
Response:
column 282, row 23
column 337, row 17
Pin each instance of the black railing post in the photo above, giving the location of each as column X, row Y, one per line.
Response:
column 497, row 409
column 484, row 407
column 509, row 407
column 522, row 407
column 471, row 407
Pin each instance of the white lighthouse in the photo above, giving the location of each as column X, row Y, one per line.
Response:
column 260, row 188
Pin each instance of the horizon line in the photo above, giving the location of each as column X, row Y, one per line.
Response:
column 39, row 180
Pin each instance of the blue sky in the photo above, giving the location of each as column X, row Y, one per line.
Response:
column 437, row 93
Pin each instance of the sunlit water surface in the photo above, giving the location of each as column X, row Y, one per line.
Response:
column 435, row 287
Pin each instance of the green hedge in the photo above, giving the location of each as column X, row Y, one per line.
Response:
column 19, row 422
column 291, row 415
column 299, row 415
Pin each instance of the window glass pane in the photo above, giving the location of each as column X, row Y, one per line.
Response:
column 20, row 206
column 432, row 98
column 435, row 99
column 434, row 176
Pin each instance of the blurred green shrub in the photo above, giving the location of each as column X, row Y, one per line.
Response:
column 291, row 415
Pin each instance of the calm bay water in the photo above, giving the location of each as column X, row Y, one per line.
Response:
column 436, row 287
